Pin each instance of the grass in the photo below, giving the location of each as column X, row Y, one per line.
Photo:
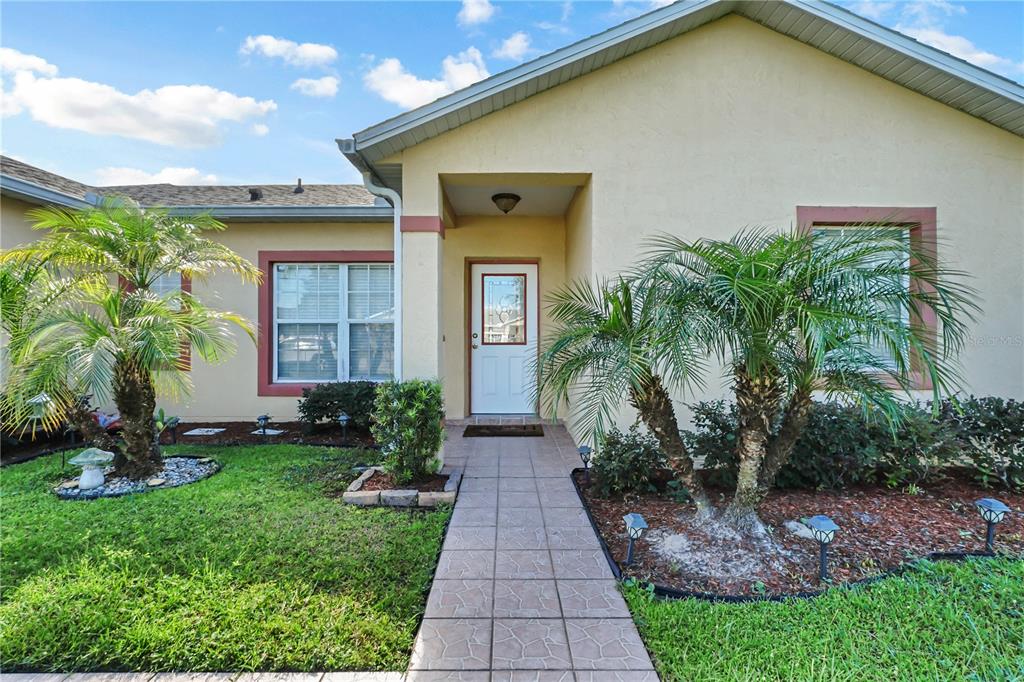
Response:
column 942, row 621
column 255, row 568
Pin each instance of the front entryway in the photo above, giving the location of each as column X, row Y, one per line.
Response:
column 502, row 337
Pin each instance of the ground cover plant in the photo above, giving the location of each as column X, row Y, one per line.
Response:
column 257, row 568
column 941, row 621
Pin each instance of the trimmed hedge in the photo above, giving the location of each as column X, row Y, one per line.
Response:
column 324, row 402
column 840, row 446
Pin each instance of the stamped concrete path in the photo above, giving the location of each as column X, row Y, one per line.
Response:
column 523, row 590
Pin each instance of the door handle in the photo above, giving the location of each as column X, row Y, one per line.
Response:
column 475, row 346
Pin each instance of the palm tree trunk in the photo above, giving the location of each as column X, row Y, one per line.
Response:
column 781, row 447
column 757, row 399
column 655, row 408
column 136, row 401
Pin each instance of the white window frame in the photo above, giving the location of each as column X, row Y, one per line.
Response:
column 343, row 321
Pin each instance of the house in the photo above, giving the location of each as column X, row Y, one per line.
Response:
column 699, row 119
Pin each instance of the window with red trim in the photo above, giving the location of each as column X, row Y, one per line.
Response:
column 918, row 226
column 325, row 316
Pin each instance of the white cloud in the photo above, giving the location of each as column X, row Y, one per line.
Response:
column 259, row 129
column 872, row 9
column 515, row 47
column 390, row 80
column 926, row 21
column 317, row 87
column 475, row 12
column 961, row 47
column 12, row 61
column 184, row 115
column 122, row 175
column 295, row 54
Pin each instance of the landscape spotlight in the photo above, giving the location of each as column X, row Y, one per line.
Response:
column 262, row 421
column 344, row 419
column 824, row 531
column 635, row 527
column 586, row 454
column 993, row 512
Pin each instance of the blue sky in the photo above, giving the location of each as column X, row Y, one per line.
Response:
column 242, row 92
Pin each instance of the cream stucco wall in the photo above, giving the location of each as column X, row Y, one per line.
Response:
column 485, row 237
column 734, row 125
column 15, row 226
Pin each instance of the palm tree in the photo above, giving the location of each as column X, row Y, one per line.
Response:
column 800, row 312
column 618, row 339
column 108, row 333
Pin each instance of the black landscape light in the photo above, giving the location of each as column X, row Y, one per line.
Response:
column 586, row 454
column 993, row 512
column 263, row 420
column 824, row 531
column 635, row 527
column 343, row 420
column 172, row 424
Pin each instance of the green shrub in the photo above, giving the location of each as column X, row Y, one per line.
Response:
column 327, row 401
column 626, row 462
column 407, row 423
column 992, row 433
column 838, row 447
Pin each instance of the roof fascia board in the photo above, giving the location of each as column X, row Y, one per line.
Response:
column 520, row 74
column 23, row 189
column 327, row 213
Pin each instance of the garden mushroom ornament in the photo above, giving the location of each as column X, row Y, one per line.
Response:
column 92, row 461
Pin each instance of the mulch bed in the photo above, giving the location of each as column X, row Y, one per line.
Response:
column 15, row 451
column 880, row 530
column 382, row 481
column 295, row 433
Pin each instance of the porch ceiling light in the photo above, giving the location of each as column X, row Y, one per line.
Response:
column 505, row 201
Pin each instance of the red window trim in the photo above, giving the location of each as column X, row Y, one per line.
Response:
column 921, row 221
column 265, row 385
column 185, row 356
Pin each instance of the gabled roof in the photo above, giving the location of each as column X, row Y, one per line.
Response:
column 832, row 29
column 280, row 202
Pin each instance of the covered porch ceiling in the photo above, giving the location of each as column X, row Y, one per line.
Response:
column 541, row 194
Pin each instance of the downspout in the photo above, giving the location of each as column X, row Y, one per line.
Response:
column 347, row 148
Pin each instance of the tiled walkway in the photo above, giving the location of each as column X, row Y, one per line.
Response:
column 522, row 590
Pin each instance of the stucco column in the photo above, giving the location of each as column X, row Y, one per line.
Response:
column 421, row 305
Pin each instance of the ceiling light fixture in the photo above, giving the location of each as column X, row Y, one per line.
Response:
column 505, row 201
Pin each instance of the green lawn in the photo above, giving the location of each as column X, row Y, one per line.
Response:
column 944, row 621
column 254, row 568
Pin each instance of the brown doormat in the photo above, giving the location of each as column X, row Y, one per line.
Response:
column 503, row 431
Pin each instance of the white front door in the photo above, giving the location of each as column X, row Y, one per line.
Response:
column 503, row 337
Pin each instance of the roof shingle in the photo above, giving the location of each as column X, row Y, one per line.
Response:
column 194, row 195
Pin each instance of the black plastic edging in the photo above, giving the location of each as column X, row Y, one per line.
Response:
column 673, row 593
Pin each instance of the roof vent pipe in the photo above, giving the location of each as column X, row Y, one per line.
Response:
column 255, row 194
column 298, row 188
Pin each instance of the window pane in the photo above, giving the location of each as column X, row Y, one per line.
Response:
column 307, row 351
column 166, row 283
column 894, row 310
column 504, row 312
column 307, row 292
column 371, row 292
column 371, row 351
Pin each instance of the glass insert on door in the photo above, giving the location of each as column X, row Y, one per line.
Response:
column 504, row 309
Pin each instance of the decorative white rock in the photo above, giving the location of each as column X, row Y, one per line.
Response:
column 92, row 461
